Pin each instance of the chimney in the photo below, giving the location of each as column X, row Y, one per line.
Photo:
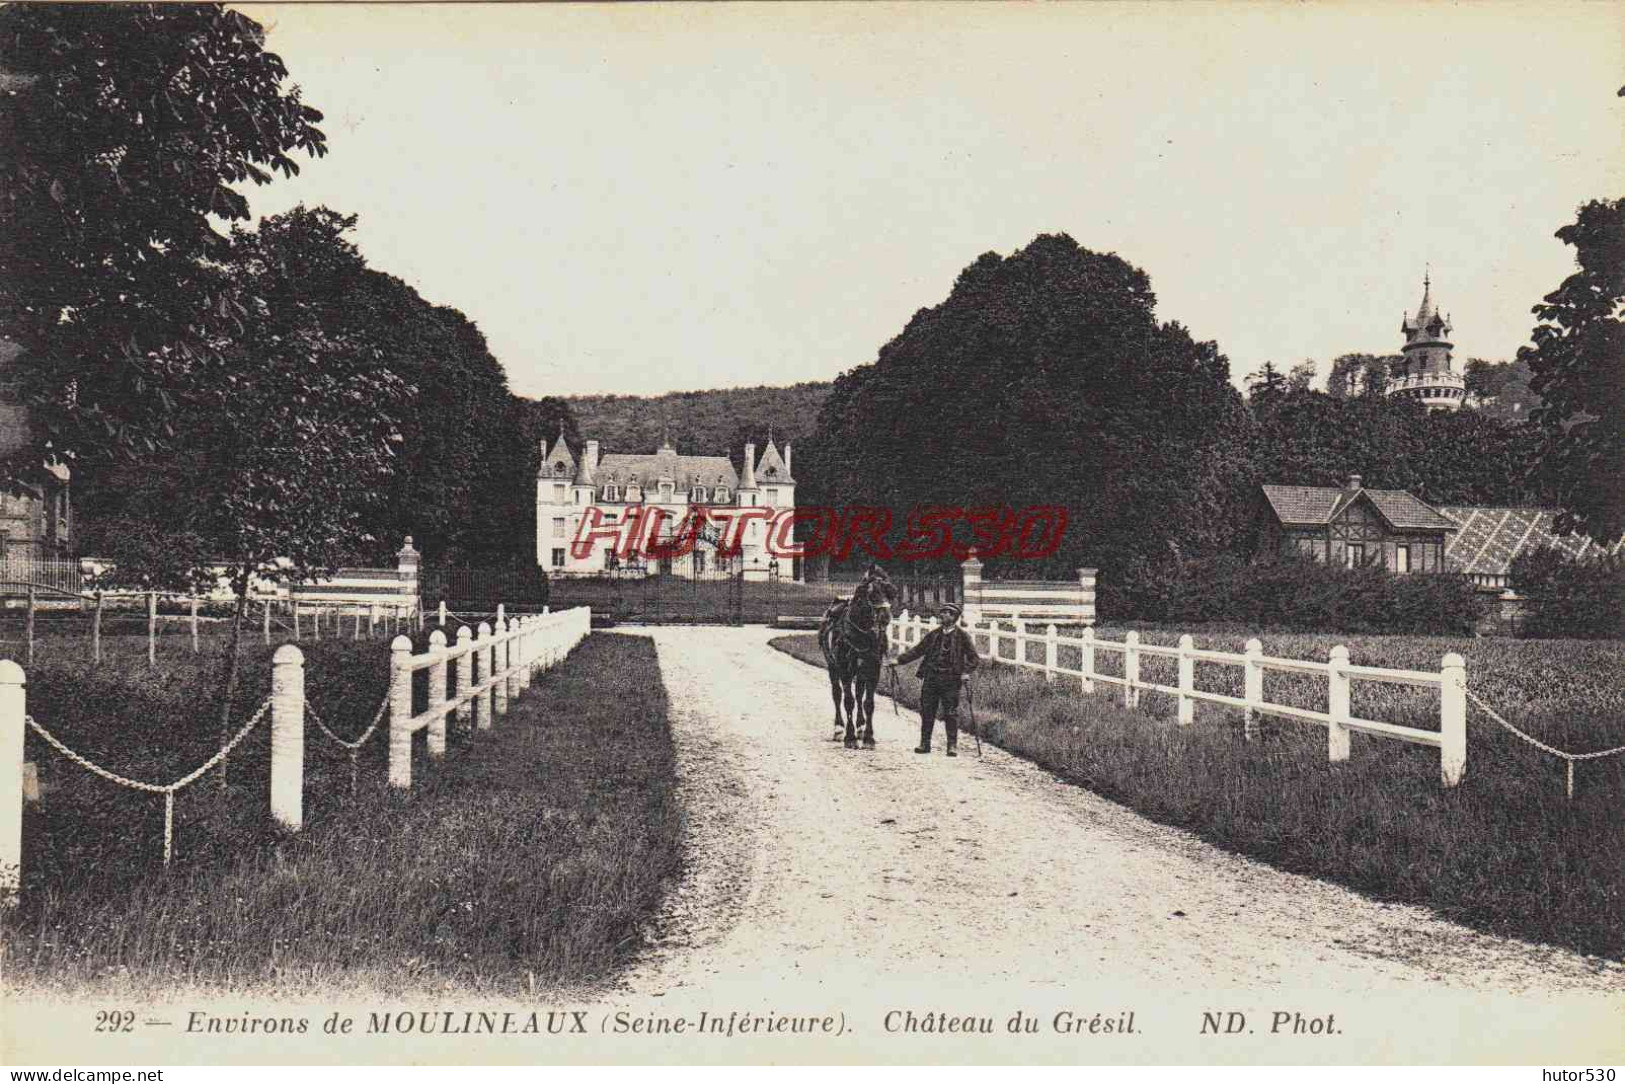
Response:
column 787, row 460
column 592, row 455
column 1353, row 483
column 749, row 480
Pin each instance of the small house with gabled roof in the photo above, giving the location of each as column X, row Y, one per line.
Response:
column 1356, row 527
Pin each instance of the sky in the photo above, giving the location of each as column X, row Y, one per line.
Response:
column 640, row 199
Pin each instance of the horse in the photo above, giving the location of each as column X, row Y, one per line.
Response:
column 854, row 637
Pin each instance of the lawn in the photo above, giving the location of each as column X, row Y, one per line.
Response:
column 525, row 860
column 1505, row 851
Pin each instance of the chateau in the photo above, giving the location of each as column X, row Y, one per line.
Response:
column 629, row 491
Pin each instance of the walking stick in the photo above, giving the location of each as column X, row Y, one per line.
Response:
column 975, row 727
column 893, row 668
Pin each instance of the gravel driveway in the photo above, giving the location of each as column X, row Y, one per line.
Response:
column 807, row 861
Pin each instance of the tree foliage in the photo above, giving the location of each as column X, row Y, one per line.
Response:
column 1045, row 379
column 124, row 128
column 1577, row 358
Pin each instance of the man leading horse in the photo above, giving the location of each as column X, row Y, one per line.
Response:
column 949, row 656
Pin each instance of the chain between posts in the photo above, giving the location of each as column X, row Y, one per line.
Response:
column 167, row 790
column 1568, row 758
column 354, row 747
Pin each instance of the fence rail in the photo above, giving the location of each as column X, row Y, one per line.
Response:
column 1451, row 681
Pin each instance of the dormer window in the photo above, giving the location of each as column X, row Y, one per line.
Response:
column 721, row 495
column 612, row 493
column 558, row 469
column 698, row 495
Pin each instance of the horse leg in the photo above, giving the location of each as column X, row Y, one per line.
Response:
column 851, row 711
column 835, row 695
column 870, row 681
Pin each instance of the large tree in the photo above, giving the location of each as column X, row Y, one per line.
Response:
column 124, row 128
column 1045, row 378
column 1578, row 360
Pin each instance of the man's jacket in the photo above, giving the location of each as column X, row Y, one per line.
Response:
column 948, row 653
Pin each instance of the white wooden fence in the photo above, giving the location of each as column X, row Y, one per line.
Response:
column 493, row 667
column 1451, row 681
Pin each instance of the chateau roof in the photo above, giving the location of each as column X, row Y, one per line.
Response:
column 771, row 468
column 1427, row 312
column 560, row 453
column 1312, row 506
column 683, row 470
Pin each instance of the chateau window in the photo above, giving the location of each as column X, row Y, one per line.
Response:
column 612, row 559
column 558, row 494
column 558, row 557
column 665, row 492
column 558, row 469
column 772, row 495
column 699, row 561
column 558, row 527
column 612, row 493
column 721, row 495
column 698, row 496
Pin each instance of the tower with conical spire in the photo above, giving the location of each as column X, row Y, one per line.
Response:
column 1427, row 374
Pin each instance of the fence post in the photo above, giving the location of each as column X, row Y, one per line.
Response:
column 970, row 587
column 13, row 712
column 437, row 697
column 29, row 659
column 499, row 668
column 288, row 737
column 1131, row 670
column 1187, row 680
column 1337, row 705
column 293, row 607
column 1052, row 648
column 1088, row 666
column 442, row 613
column 487, row 654
column 400, row 713
column 992, row 639
column 527, row 637
column 96, row 629
column 516, row 657
column 152, row 628
column 372, row 621
column 1252, row 687
column 356, row 635
column 465, row 675
column 1453, row 720
column 193, row 601
column 267, row 620
column 316, row 623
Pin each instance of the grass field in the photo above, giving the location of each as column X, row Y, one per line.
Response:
column 525, row 860
column 1505, row 851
